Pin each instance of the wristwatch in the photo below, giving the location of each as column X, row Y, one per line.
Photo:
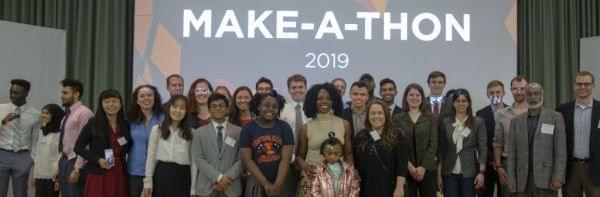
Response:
column 76, row 170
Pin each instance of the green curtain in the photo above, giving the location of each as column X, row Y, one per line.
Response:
column 548, row 46
column 99, row 38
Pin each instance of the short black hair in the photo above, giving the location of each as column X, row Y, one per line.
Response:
column 21, row 82
column 310, row 103
column 215, row 97
column 386, row 81
column 264, row 80
column 75, row 85
column 258, row 98
column 332, row 140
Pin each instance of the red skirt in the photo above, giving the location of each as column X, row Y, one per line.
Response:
column 111, row 183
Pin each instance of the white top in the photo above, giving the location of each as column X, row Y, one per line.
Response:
column 458, row 135
column 46, row 156
column 288, row 114
column 174, row 149
column 30, row 125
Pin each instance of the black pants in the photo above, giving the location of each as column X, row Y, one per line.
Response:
column 424, row 188
column 135, row 185
column 171, row 179
column 45, row 188
column 491, row 182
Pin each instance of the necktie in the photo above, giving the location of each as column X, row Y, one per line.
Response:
column 298, row 110
column 16, row 140
column 220, row 137
column 436, row 109
column 62, row 129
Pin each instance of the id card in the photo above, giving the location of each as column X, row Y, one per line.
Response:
column 108, row 155
column 230, row 141
column 547, row 129
column 122, row 141
column 375, row 136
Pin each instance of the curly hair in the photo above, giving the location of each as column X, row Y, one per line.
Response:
column 258, row 98
column 310, row 103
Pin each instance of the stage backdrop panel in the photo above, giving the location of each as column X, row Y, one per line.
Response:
column 233, row 43
column 589, row 59
column 33, row 53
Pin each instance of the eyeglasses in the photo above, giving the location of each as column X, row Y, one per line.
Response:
column 219, row 106
column 587, row 85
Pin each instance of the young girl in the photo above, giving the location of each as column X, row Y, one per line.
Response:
column 266, row 148
column 168, row 171
column 334, row 177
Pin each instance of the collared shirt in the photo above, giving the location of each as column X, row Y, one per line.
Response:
column 78, row 118
column 494, row 110
column 30, row 124
column 224, row 125
column 358, row 119
column 175, row 149
column 140, row 134
column 433, row 100
column 392, row 109
column 288, row 115
column 582, row 121
column 503, row 118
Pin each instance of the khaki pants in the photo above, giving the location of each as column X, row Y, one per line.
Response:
column 579, row 182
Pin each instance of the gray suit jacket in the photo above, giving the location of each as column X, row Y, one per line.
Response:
column 473, row 153
column 212, row 163
column 549, row 151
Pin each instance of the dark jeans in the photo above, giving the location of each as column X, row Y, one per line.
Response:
column 45, row 188
column 423, row 188
column 457, row 186
column 135, row 185
column 491, row 182
column 65, row 167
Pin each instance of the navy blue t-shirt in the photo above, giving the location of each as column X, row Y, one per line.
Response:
column 267, row 145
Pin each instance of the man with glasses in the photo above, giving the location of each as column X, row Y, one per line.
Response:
column 583, row 135
column 502, row 126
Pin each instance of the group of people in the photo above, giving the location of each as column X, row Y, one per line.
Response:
column 210, row 142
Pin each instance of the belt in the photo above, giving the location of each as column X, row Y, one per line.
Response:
column 581, row 160
column 12, row 151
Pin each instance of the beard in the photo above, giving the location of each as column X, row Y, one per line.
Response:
column 537, row 105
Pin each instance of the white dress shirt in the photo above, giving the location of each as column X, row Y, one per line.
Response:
column 174, row 149
column 30, row 125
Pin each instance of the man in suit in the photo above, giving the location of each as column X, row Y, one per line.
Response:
column 388, row 92
column 536, row 148
column 495, row 92
column 215, row 151
column 357, row 112
column 583, row 135
column 437, row 82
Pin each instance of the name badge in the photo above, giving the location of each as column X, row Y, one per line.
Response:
column 71, row 155
column 122, row 141
column 375, row 136
column 547, row 129
column 465, row 132
column 598, row 125
column 230, row 141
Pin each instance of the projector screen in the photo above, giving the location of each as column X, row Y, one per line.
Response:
column 234, row 43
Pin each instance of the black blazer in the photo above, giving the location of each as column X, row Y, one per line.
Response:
column 487, row 114
column 97, row 145
column 568, row 111
column 397, row 110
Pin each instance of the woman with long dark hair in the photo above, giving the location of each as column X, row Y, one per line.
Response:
column 239, row 113
column 198, row 99
column 46, row 154
column 381, row 154
column 144, row 112
column 266, row 148
column 463, row 149
column 420, row 129
column 108, row 138
column 168, row 163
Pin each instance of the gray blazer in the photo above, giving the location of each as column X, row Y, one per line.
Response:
column 549, row 151
column 212, row 163
column 473, row 153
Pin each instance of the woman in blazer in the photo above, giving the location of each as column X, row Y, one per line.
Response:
column 108, row 139
column 463, row 152
column 420, row 128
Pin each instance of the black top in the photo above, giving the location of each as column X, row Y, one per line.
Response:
column 532, row 122
column 377, row 180
column 97, row 144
